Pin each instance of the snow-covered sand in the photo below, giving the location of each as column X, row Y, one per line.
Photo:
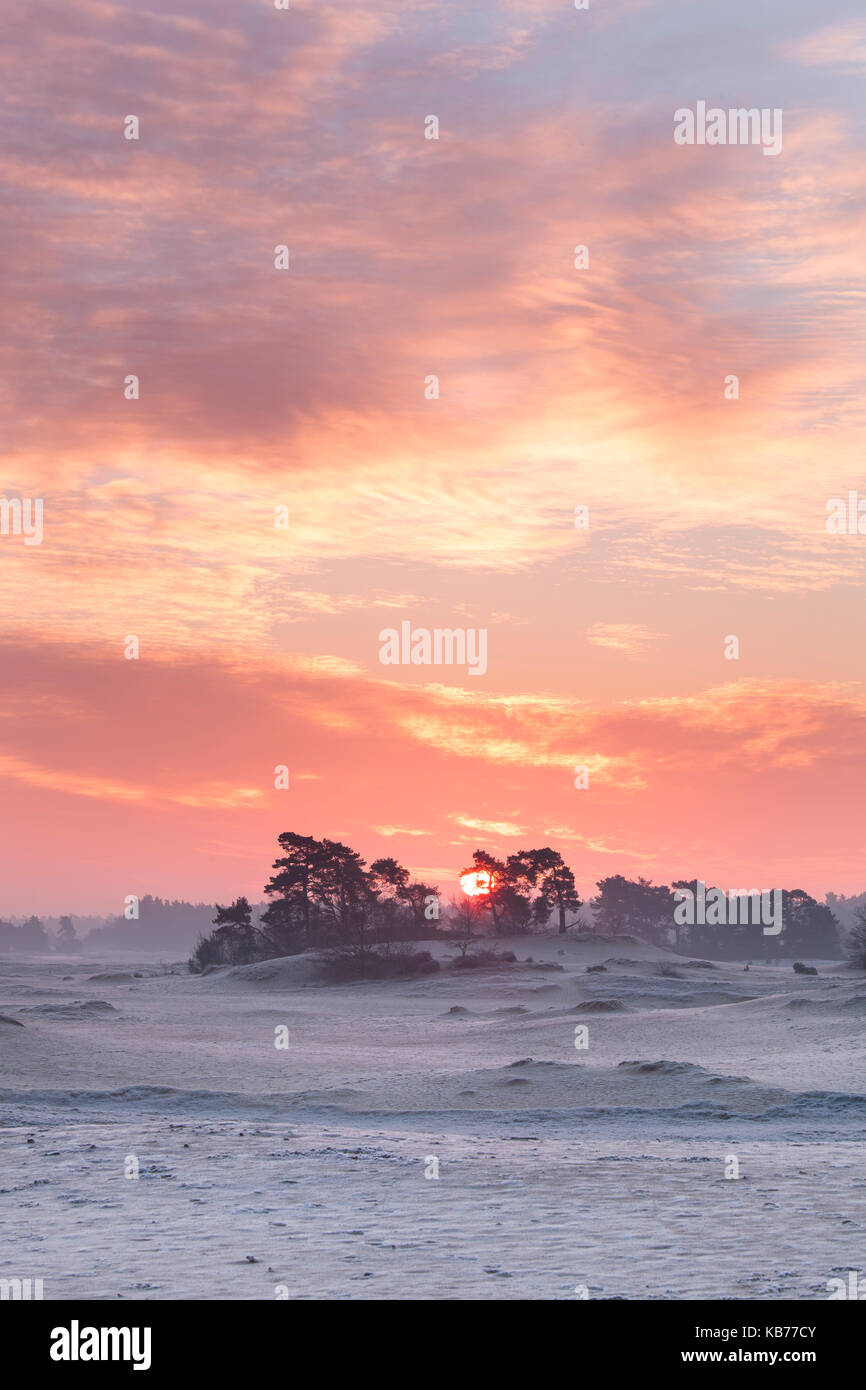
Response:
column 301, row 1171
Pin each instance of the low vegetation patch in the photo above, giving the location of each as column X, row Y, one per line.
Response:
column 376, row 965
column 473, row 960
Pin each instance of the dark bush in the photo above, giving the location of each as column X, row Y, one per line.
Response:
column 479, row 958
column 373, row 965
column 206, row 952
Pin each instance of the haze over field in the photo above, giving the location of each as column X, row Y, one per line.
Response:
column 305, row 1171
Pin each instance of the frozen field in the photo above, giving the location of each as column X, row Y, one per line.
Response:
column 300, row 1172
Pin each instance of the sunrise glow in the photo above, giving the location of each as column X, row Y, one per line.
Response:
column 476, row 885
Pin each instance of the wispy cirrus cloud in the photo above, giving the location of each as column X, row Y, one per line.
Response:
column 836, row 45
column 501, row 829
column 631, row 638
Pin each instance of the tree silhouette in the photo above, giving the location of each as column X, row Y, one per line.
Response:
column 856, row 942
column 637, row 906
column 66, row 938
column 32, row 936
column 545, row 871
column 234, row 933
column 289, row 918
column 507, row 905
column 809, row 927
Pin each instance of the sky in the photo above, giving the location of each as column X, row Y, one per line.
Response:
column 308, row 389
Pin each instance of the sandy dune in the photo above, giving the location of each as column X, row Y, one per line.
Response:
column 602, row 1166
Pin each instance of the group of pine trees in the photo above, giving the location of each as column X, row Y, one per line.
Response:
column 322, row 894
column 647, row 910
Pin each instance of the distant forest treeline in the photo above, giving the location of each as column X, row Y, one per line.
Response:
column 161, row 926
column 323, row 894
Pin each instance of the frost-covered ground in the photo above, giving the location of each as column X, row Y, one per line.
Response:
column 302, row 1171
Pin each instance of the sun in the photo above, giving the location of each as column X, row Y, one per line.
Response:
column 476, row 884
